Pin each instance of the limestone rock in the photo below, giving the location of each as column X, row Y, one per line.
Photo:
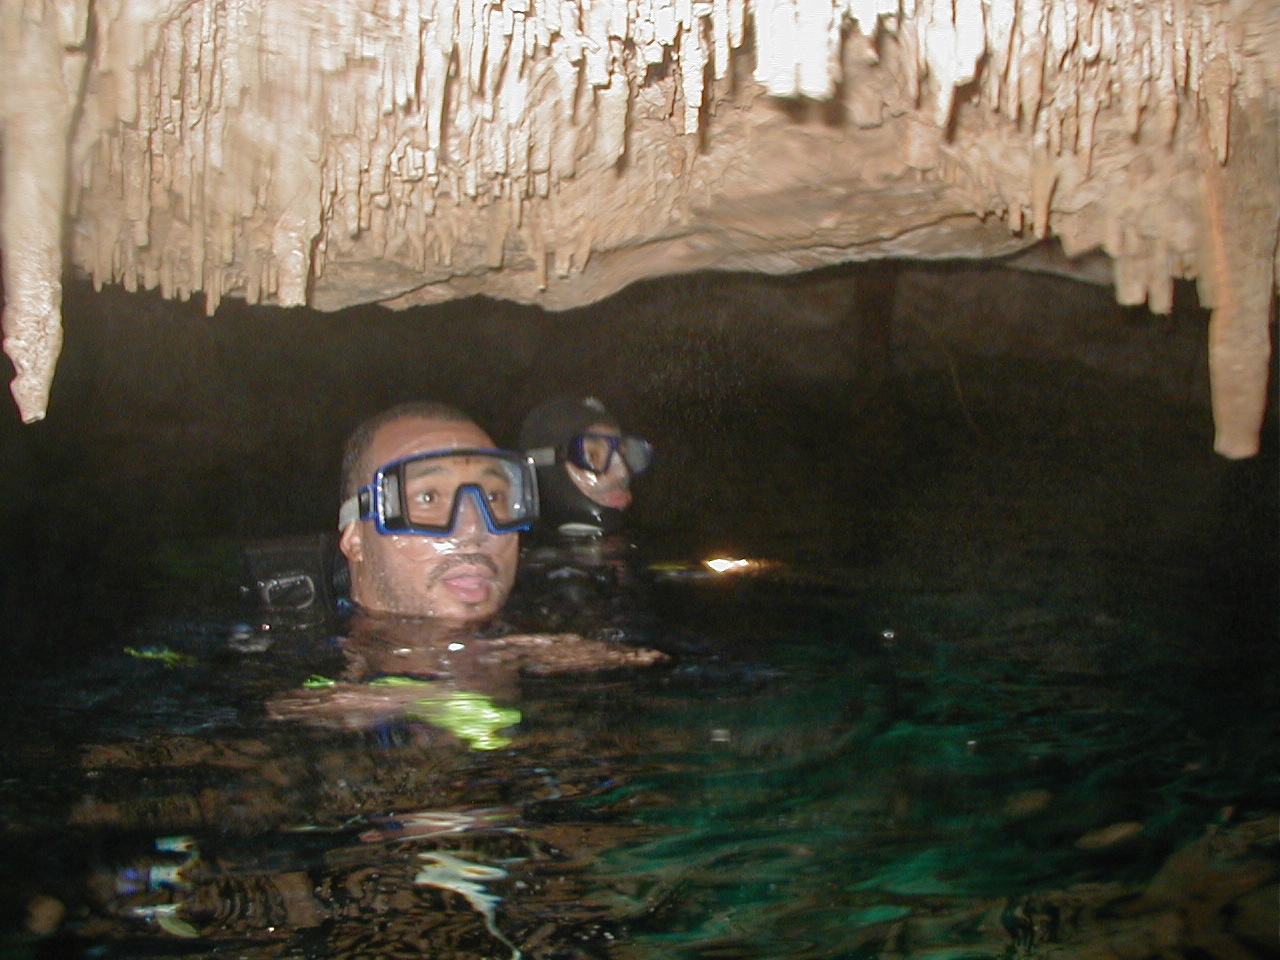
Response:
column 332, row 152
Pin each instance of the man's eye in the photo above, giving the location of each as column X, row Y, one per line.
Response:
column 426, row 497
column 497, row 496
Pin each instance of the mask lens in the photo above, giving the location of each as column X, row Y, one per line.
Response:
column 425, row 494
column 637, row 453
column 595, row 451
column 430, row 487
column 497, row 499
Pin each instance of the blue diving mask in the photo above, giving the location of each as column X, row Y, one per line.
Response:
column 423, row 494
column 594, row 452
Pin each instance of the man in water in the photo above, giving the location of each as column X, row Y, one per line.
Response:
column 431, row 515
column 430, row 525
column 585, row 465
column 579, row 577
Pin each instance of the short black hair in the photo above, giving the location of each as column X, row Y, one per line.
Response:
column 361, row 438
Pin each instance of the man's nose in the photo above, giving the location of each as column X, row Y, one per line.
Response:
column 618, row 469
column 470, row 526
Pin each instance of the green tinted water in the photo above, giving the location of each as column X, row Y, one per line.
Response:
column 820, row 772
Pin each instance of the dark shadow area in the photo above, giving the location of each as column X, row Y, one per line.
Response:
column 956, row 425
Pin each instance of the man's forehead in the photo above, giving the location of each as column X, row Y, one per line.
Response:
column 403, row 438
column 445, row 465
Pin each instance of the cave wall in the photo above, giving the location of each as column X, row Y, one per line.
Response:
column 327, row 154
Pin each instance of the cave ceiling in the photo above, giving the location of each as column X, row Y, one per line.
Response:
column 408, row 152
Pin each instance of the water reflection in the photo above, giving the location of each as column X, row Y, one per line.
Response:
column 443, row 675
column 805, row 783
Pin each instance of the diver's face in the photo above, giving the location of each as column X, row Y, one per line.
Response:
column 464, row 576
column 611, row 488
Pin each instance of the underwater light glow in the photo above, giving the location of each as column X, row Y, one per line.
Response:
column 721, row 565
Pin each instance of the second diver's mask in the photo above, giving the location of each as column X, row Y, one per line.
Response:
column 423, row 494
column 566, row 504
column 594, row 452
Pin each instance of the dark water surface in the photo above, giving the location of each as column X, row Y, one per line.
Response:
column 831, row 775
column 1010, row 689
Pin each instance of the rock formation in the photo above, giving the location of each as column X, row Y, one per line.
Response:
column 332, row 152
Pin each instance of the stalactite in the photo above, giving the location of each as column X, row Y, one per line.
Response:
column 35, row 107
column 1241, row 249
column 692, row 61
column 611, row 132
column 911, row 53
column 1089, row 106
column 937, row 39
column 775, row 47
column 867, row 14
column 720, row 33
column 1160, row 274
column 1030, row 62
column 814, row 22
column 1044, row 177
column 597, row 49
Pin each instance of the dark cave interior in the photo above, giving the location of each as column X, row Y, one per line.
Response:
column 945, row 426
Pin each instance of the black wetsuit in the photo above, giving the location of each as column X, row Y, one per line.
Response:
column 588, row 585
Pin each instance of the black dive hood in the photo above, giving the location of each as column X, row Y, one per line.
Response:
column 563, row 507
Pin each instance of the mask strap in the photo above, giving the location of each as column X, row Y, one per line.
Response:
column 355, row 508
column 542, row 456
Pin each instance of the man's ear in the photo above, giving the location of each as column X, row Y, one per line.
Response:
column 351, row 543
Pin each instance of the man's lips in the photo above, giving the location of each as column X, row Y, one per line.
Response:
column 468, row 578
column 468, row 582
column 619, row 498
column 468, row 589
